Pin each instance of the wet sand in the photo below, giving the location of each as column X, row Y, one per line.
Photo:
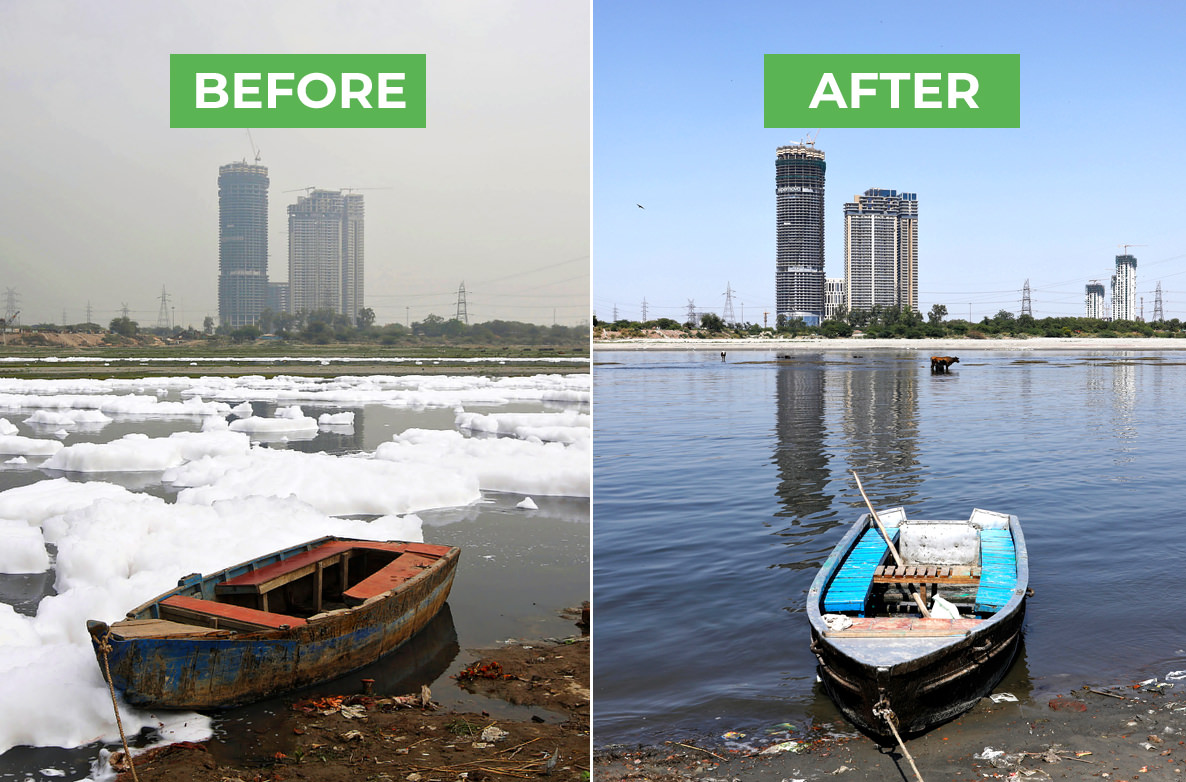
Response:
column 1120, row 732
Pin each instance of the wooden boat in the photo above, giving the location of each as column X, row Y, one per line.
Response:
column 879, row 658
column 289, row 619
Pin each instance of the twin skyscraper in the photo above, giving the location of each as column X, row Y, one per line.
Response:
column 880, row 243
column 325, row 250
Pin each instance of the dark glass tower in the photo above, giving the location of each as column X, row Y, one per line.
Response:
column 242, row 243
column 799, row 267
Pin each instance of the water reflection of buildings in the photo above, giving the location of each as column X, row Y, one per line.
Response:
column 801, row 431
column 863, row 410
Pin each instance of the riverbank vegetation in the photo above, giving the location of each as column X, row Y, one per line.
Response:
column 894, row 323
column 307, row 334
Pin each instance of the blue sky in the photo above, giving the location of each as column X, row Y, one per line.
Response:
column 1098, row 161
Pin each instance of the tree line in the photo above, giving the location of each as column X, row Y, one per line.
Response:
column 324, row 327
column 900, row 323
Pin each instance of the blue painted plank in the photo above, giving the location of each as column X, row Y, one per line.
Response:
column 852, row 583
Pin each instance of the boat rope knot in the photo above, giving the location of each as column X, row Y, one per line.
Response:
column 882, row 709
column 104, row 645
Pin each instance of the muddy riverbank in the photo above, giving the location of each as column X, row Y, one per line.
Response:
column 381, row 737
column 1132, row 731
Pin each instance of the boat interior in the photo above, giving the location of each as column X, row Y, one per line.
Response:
column 970, row 565
column 276, row 594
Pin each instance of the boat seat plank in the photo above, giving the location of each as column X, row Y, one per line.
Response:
column 998, row 563
column 279, row 573
column 225, row 614
column 905, row 627
column 850, row 587
column 961, row 575
column 159, row 628
column 403, row 568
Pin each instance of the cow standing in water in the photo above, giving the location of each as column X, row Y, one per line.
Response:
column 941, row 365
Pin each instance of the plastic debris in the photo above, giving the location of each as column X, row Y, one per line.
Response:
column 783, row 746
column 492, row 734
column 733, row 735
column 943, row 609
column 1174, row 676
column 1004, row 697
column 354, row 712
column 998, row 758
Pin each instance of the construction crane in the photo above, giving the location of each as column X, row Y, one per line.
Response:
column 352, row 189
column 307, row 190
column 809, row 141
column 1126, row 246
column 254, row 148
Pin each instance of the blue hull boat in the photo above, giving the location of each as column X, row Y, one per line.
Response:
column 293, row 618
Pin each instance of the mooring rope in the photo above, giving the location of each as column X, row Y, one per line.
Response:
column 883, row 710
column 105, row 648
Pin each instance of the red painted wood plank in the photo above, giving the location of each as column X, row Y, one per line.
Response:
column 403, row 568
column 228, row 611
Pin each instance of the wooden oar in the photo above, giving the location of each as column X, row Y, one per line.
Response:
column 893, row 549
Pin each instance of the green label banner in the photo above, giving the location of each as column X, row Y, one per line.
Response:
column 892, row 90
column 297, row 91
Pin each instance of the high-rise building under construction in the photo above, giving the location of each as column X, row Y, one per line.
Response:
column 881, row 250
column 1124, row 288
column 799, row 266
column 242, row 243
column 1095, row 300
column 325, row 253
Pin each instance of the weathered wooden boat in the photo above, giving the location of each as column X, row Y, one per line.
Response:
column 879, row 658
column 286, row 620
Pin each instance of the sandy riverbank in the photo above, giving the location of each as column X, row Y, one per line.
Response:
column 1122, row 732
column 922, row 346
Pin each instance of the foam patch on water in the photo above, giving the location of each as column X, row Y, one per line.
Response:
column 22, row 548
column 567, row 427
column 28, row 446
column 333, row 484
column 499, row 464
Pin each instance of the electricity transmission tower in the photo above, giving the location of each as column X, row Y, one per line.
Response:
column 729, row 318
column 162, row 318
column 692, row 312
column 1158, row 312
column 644, row 310
column 1026, row 306
column 88, row 312
column 462, row 312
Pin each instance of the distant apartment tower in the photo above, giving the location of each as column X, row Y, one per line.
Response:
column 325, row 253
column 799, row 266
column 277, row 300
column 1124, row 288
column 833, row 297
column 242, row 243
column 881, row 250
column 1095, row 300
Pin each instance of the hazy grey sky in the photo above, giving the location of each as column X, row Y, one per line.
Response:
column 101, row 201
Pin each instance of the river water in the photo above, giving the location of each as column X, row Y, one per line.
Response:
column 720, row 485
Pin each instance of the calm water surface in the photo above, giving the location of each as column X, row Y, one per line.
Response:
column 721, row 486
